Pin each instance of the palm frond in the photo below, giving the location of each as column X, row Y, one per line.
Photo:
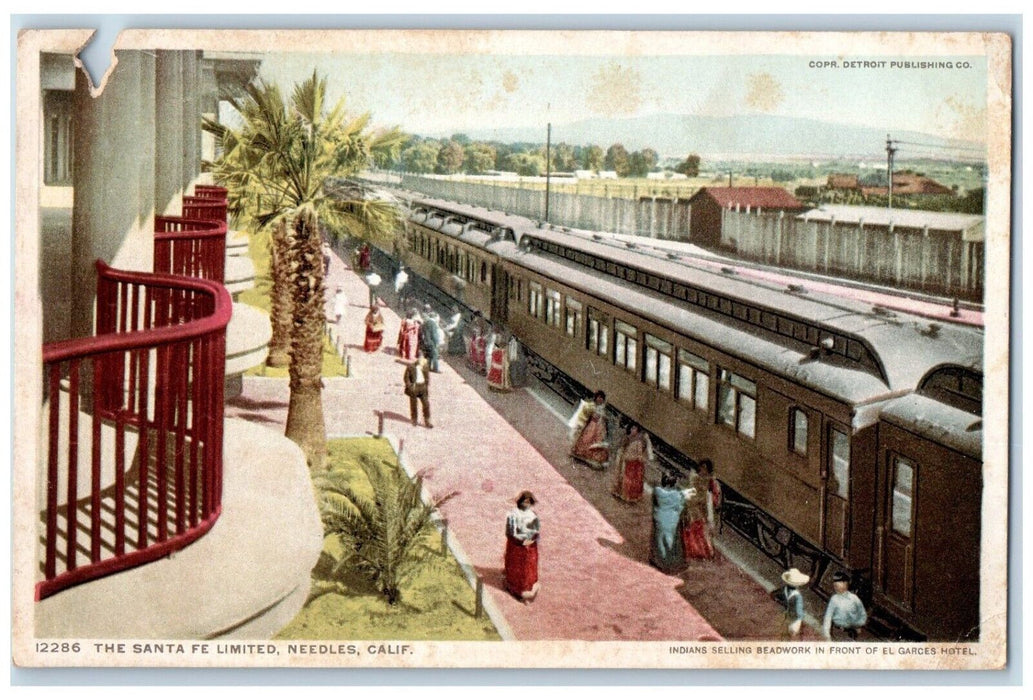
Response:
column 384, row 535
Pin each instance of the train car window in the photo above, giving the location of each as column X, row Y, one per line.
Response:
column 598, row 332
column 625, row 345
column 552, row 307
column 534, row 299
column 903, row 490
column 484, row 272
column 840, row 482
column 693, row 379
column 798, row 431
column 573, row 319
column 520, row 290
column 657, row 363
column 737, row 402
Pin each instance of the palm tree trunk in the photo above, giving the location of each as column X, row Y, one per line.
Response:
column 280, row 298
column 305, row 424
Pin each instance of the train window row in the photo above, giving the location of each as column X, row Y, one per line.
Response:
column 795, row 328
column 673, row 370
column 680, row 372
column 455, row 259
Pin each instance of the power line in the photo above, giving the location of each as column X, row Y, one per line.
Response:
column 944, row 147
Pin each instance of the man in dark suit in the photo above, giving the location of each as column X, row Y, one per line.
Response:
column 417, row 387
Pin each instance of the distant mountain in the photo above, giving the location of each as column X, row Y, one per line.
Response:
column 742, row 136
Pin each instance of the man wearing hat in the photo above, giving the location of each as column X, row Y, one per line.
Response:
column 845, row 613
column 794, row 579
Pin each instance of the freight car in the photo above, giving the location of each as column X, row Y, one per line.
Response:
column 842, row 432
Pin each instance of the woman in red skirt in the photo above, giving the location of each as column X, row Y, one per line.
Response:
column 635, row 453
column 374, row 330
column 522, row 530
column 699, row 514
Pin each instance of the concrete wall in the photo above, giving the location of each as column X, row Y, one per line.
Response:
column 938, row 262
column 651, row 217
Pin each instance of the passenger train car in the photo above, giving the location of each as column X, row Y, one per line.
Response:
column 848, row 437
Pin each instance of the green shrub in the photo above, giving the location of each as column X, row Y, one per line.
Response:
column 382, row 533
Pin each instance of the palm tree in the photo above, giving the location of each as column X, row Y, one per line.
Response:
column 383, row 535
column 277, row 167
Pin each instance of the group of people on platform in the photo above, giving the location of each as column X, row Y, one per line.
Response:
column 494, row 353
column 683, row 518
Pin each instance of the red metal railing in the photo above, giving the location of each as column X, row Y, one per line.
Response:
column 205, row 208
column 212, row 192
column 190, row 247
column 135, row 415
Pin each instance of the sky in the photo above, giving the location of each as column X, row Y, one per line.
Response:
column 440, row 93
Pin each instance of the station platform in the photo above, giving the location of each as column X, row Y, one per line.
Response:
column 596, row 582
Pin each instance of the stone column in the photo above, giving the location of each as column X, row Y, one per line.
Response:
column 190, row 122
column 169, row 108
column 113, row 204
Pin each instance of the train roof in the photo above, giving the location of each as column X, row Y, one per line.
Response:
column 896, row 347
column 938, row 422
column 905, row 346
column 767, row 351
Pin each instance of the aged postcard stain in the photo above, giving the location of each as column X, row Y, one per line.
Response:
column 501, row 349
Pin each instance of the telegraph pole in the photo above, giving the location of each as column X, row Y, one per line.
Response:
column 891, row 149
column 548, row 168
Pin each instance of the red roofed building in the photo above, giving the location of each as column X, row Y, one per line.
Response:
column 907, row 182
column 707, row 204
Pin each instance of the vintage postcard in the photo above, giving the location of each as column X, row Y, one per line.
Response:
column 513, row 349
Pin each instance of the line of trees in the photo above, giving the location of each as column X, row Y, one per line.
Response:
column 460, row 154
